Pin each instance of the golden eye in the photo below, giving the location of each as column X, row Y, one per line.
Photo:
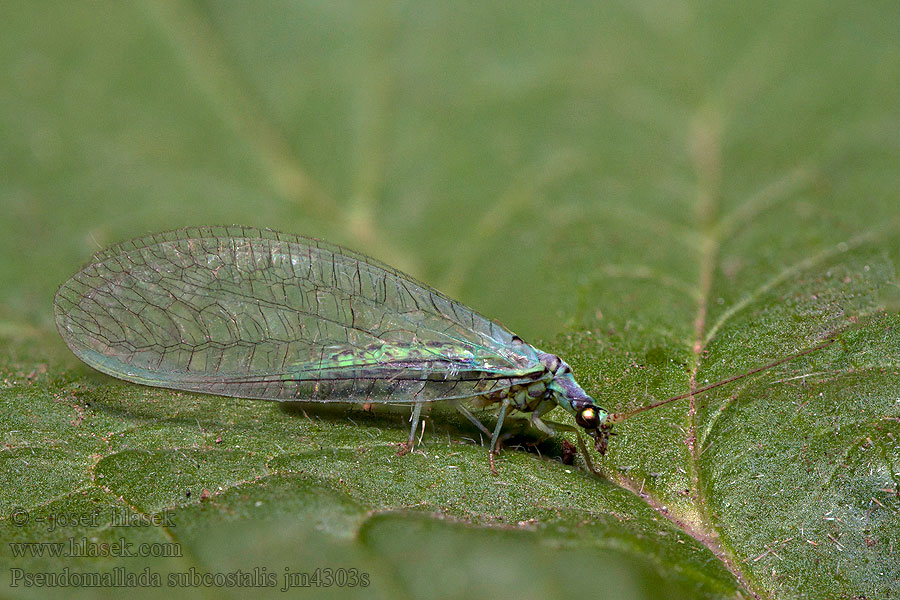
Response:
column 588, row 418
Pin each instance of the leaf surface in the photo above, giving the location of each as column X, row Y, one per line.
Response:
column 663, row 194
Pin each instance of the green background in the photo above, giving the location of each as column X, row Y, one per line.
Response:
column 664, row 193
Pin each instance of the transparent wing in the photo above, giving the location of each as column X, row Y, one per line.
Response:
column 254, row 313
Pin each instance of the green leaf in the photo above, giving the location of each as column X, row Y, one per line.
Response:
column 665, row 194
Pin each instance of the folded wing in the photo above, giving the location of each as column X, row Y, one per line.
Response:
column 255, row 313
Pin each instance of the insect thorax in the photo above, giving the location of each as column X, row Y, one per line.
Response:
column 524, row 397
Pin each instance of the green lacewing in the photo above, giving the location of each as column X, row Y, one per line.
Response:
column 254, row 313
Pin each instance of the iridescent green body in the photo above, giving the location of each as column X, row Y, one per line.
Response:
column 434, row 357
column 252, row 313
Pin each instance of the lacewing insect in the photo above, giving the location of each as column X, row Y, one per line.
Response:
column 251, row 313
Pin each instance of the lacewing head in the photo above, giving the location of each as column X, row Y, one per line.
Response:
column 567, row 393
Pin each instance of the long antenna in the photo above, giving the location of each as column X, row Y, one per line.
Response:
column 619, row 417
